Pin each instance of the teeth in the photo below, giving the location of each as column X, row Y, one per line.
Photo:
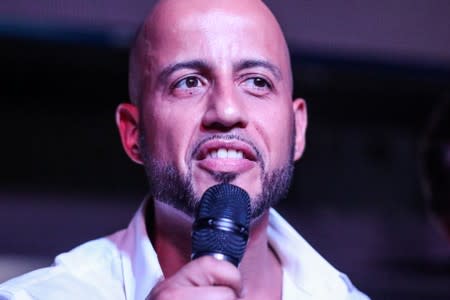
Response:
column 222, row 153
column 226, row 154
column 232, row 154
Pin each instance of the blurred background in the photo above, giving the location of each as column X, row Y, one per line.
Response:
column 371, row 72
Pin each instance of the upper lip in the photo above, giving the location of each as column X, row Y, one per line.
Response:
column 206, row 147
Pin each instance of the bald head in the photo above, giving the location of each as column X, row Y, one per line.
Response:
column 202, row 18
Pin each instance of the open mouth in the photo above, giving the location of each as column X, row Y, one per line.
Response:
column 226, row 149
column 227, row 155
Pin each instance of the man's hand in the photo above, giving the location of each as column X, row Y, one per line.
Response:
column 202, row 278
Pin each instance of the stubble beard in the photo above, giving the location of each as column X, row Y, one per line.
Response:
column 167, row 185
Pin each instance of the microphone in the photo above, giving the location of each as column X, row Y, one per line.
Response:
column 221, row 223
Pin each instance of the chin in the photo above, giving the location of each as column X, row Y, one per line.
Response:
column 250, row 188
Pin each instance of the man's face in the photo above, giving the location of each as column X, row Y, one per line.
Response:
column 216, row 104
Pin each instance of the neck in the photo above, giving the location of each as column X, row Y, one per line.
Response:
column 171, row 237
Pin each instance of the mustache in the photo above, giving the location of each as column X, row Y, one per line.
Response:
column 228, row 136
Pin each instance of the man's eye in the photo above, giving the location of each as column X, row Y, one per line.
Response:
column 188, row 83
column 258, row 84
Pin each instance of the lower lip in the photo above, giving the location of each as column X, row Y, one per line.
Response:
column 226, row 165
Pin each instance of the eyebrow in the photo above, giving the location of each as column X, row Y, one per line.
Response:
column 192, row 64
column 255, row 63
column 199, row 64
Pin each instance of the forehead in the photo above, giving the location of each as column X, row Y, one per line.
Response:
column 219, row 33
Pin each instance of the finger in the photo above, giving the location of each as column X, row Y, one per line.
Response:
column 209, row 271
column 197, row 293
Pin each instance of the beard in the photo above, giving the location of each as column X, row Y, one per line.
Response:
column 167, row 185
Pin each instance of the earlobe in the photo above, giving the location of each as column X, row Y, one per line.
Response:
column 301, row 122
column 127, row 120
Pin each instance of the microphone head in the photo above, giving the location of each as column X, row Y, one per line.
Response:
column 221, row 224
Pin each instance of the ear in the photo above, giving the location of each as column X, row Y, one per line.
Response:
column 301, row 122
column 127, row 120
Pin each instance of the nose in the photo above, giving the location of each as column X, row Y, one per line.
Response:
column 225, row 110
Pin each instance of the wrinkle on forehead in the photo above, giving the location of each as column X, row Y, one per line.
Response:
column 168, row 15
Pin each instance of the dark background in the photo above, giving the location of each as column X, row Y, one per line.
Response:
column 356, row 196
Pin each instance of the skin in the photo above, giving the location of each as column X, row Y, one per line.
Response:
column 209, row 74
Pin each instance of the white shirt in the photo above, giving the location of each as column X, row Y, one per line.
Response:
column 125, row 265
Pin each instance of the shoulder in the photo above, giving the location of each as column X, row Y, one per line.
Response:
column 93, row 268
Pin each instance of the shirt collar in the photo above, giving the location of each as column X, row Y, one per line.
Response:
column 303, row 268
column 140, row 265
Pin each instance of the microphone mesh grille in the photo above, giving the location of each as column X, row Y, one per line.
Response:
column 222, row 201
column 225, row 201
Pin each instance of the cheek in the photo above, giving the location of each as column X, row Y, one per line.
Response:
column 168, row 134
column 277, row 132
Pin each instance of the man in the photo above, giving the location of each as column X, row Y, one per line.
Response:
column 211, row 93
